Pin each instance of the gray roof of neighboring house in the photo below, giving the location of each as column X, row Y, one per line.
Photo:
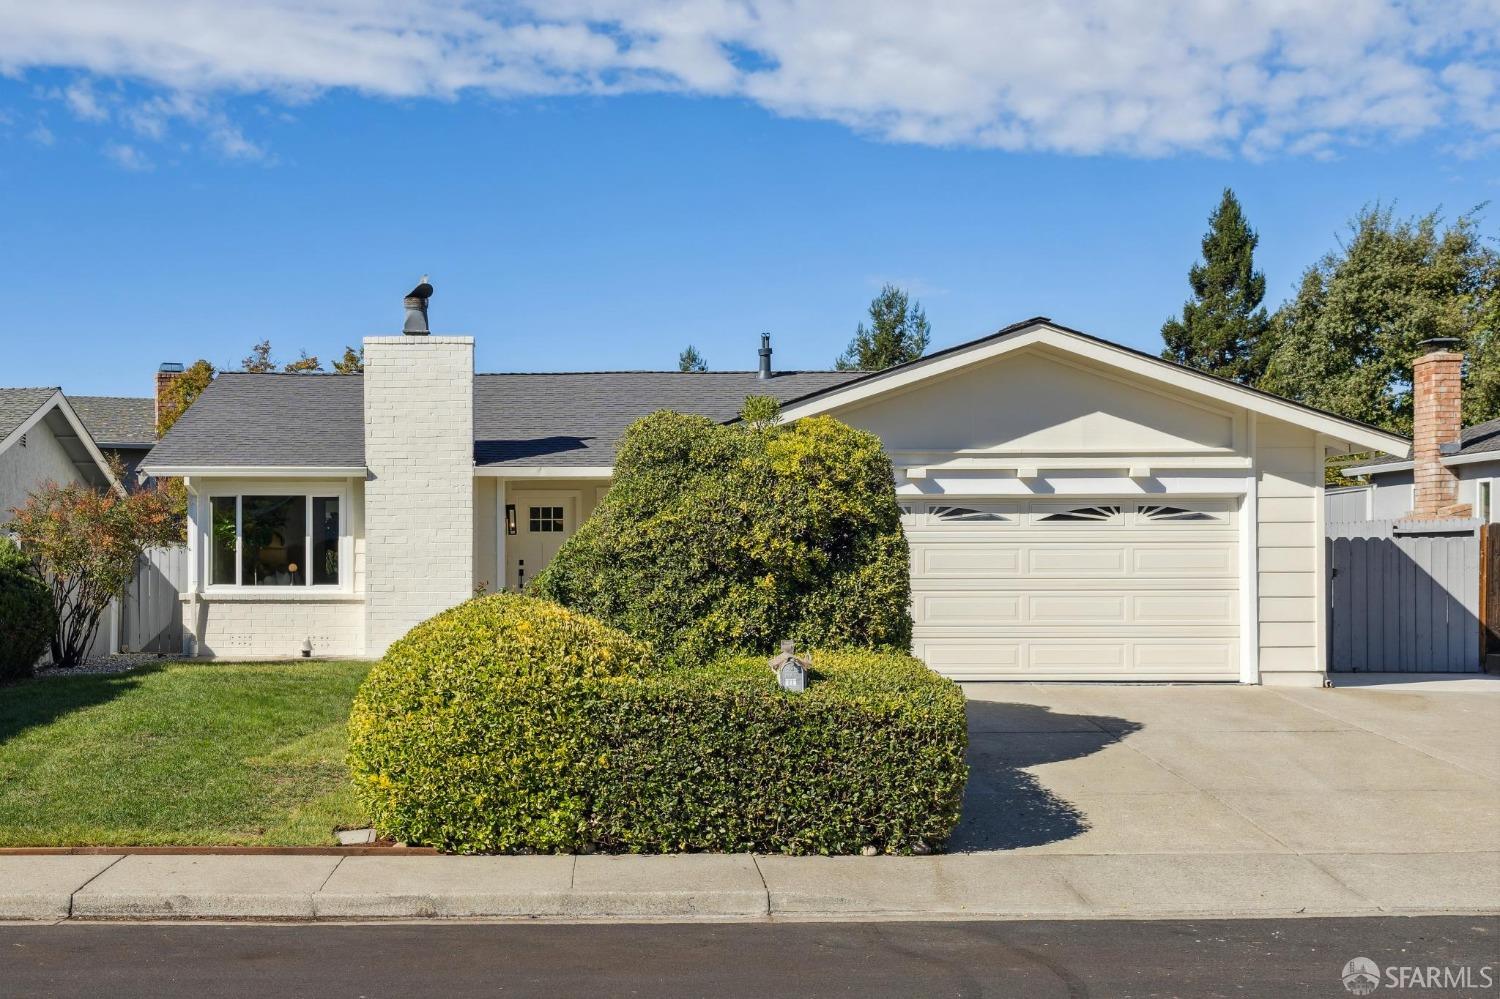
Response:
column 17, row 405
column 1481, row 438
column 269, row 420
column 576, row 418
column 568, row 419
column 117, row 421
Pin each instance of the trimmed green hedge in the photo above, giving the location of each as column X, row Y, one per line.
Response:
column 511, row 724
column 470, row 734
column 720, row 758
column 723, row 538
column 27, row 619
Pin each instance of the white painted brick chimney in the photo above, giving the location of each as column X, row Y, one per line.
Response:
column 419, row 497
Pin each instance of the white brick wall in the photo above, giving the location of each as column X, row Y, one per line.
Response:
column 419, row 497
column 274, row 627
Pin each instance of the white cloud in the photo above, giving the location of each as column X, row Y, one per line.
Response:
column 127, row 157
column 1141, row 77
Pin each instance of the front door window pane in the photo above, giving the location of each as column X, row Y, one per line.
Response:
column 223, row 541
column 274, row 540
column 325, row 535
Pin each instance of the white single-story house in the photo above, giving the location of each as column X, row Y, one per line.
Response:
column 1076, row 510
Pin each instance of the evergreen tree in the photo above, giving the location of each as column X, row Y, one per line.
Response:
column 898, row 332
column 691, row 360
column 1222, row 325
column 1346, row 341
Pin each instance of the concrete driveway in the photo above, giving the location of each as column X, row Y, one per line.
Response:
column 1390, row 789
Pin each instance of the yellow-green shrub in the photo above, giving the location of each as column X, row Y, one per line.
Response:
column 719, row 758
column 471, row 735
column 716, row 538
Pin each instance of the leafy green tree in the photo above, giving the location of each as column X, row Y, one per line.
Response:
column 304, row 363
column 898, row 332
column 352, row 363
column 1346, row 341
column 259, row 361
column 180, row 393
column 1223, row 323
column 691, row 360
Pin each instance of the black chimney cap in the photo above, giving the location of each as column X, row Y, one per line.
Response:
column 170, row 367
column 1440, row 343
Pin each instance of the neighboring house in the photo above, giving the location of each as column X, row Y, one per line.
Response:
column 1076, row 509
column 1459, row 466
column 42, row 438
column 124, row 427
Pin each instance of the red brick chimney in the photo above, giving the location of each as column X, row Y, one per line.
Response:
column 168, row 373
column 1437, row 403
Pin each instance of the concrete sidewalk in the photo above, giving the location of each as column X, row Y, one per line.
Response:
column 741, row 886
column 1083, row 802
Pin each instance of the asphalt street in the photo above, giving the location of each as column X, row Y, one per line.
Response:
column 1283, row 957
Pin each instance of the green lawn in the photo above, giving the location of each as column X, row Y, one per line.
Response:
column 182, row 753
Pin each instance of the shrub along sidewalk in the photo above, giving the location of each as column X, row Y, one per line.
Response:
column 179, row 754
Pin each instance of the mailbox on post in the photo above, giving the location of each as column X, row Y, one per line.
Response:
column 791, row 672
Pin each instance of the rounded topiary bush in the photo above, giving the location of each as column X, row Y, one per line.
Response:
column 472, row 734
column 27, row 620
column 718, row 538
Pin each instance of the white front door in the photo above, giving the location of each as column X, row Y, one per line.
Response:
column 544, row 520
column 1095, row 589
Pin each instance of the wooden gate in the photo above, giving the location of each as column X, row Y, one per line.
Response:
column 151, row 620
column 1403, row 603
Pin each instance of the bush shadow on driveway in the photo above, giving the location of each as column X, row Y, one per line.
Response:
column 1005, row 807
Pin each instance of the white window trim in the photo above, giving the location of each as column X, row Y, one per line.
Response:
column 1484, row 516
column 309, row 589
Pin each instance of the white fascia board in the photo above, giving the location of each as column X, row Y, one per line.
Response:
column 1470, row 459
column 257, row 471
column 95, row 454
column 1125, row 360
column 545, row 471
column 1380, row 467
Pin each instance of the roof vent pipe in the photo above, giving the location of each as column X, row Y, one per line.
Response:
column 765, row 355
column 416, row 309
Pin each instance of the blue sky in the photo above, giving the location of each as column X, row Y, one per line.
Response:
column 146, row 216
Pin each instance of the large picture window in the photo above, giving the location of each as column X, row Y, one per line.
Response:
column 266, row 540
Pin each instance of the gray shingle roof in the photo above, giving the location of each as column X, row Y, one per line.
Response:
column 576, row 418
column 269, row 419
column 567, row 419
column 17, row 405
column 117, row 420
column 1480, row 438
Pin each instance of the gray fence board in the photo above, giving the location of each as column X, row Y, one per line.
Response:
column 151, row 620
column 1402, row 602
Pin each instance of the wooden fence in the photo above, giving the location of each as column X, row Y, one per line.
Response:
column 1405, row 602
column 150, row 619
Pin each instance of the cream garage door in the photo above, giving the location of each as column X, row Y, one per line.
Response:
column 1095, row 590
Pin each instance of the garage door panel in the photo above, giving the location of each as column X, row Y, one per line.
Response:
column 1185, row 562
column 1145, row 593
column 941, row 561
column 1077, row 608
column 938, row 609
column 1185, row 608
column 1101, row 560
